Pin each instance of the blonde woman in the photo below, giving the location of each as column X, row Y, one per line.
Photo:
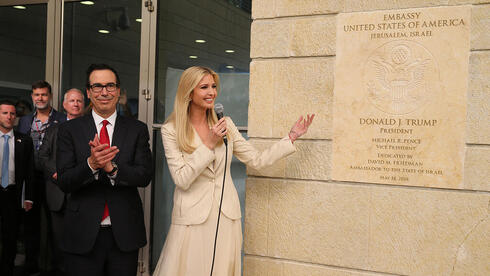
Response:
column 193, row 142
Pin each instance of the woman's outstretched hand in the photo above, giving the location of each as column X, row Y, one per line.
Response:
column 300, row 127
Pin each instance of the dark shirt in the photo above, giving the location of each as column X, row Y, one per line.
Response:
column 33, row 127
column 38, row 130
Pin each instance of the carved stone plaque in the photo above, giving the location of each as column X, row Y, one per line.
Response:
column 400, row 96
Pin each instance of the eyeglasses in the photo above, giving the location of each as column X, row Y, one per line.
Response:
column 110, row 87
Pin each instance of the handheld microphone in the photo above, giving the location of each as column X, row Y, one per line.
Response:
column 218, row 109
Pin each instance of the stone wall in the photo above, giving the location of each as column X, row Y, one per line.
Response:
column 301, row 222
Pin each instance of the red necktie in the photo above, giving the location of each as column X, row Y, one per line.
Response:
column 104, row 139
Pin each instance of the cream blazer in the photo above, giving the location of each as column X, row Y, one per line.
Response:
column 197, row 174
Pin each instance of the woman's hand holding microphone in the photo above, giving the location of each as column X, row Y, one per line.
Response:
column 216, row 133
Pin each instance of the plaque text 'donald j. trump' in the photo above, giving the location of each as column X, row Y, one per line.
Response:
column 400, row 96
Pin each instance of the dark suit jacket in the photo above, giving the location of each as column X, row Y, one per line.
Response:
column 55, row 198
column 10, row 202
column 24, row 165
column 85, row 205
column 25, row 122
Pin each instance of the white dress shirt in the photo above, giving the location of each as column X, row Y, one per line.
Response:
column 110, row 126
column 11, row 155
column 110, row 130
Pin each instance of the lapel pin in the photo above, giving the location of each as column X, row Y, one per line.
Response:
column 18, row 140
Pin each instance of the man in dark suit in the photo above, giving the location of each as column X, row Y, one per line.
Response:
column 73, row 103
column 35, row 125
column 17, row 162
column 102, row 158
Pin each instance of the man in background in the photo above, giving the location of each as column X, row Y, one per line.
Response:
column 73, row 103
column 35, row 125
column 22, row 107
column 17, row 166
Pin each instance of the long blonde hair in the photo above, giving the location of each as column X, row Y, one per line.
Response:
column 180, row 115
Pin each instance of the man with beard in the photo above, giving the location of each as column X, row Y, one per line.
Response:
column 102, row 158
column 35, row 125
column 73, row 103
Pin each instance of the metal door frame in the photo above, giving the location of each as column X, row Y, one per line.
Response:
column 54, row 59
column 53, row 42
column 146, row 105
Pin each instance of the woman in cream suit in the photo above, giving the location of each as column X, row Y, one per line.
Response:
column 193, row 142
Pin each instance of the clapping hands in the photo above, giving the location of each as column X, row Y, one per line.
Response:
column 101, row 155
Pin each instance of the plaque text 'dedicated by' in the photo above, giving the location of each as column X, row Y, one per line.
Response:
column 400, row 96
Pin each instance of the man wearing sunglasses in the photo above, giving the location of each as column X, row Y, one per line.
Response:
column 102, row 159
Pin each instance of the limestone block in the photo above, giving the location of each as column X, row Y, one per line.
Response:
column 319, row 223
column 288, row 231
column 477, row 168
column 257, row 266
column 473, row 256
column 298, row 269
column 284, row 37
column 312, row 160
column 256, row 215
column 261, row 98
column 478, row 110
column 420, row 232
column 366, row 5
column 480, row 27
column 270, row 38
column 307, row 7
column 376, row 228
column 463, row 2
column 276, row 170
column 263, row 9
column 369, row 5
column 313, row 36
column 304, row 86
column 283, row 8
column 288, row 89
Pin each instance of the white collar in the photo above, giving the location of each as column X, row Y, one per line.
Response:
column 10, row 133
column 98, row 119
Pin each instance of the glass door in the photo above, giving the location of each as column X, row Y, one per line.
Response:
column 211, row 33
column 117, row 33
column 56, row 40
column 23, row 29
column 103, row 32
column 24, row 60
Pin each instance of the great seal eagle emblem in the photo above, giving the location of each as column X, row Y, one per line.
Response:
column 399, row 76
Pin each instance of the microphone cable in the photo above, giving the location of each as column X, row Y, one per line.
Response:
column 220, row 203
